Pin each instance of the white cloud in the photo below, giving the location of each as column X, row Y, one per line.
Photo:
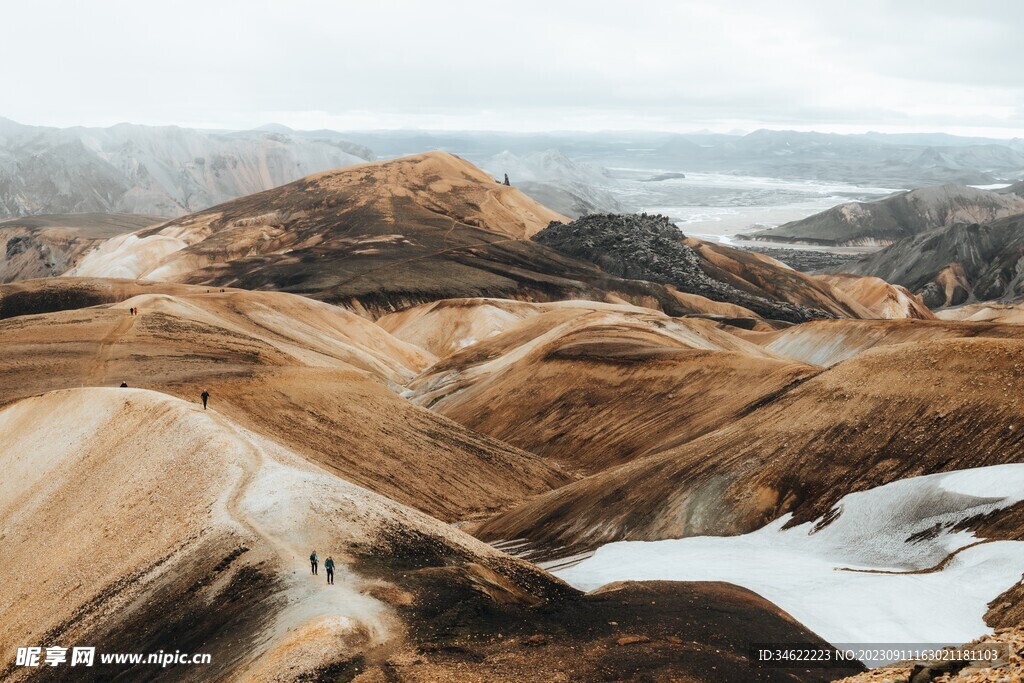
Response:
column 522, row 65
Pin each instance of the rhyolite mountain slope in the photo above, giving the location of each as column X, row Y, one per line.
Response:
column 586, row 385
column 903, row 215
column 884, row 300
column 163, row 171
column 305, row 446
column 953, row 265
column 890, row 413
column 384, row 236
column 48, row 245
column 400, row 226
column 373, row 237
column 314, row 377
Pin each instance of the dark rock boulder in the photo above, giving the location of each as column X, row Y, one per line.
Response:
column 651, row 248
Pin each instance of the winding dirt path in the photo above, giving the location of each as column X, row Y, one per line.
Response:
column 310, row 597
column 94, row 373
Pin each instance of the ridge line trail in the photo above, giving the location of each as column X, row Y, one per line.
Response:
column 310, row 596
column 104, row 352
column 250, row 466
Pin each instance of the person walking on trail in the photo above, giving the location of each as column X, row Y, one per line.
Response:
column 313, row 559
column 329, row 566
column 206, row 397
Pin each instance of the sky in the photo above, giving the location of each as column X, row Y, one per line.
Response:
column 521, row 65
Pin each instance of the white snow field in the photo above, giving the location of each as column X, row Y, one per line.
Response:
column 805, row 571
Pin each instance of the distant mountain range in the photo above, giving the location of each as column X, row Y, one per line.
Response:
column 162, row 171
column 888, row 161
column 170, row 171
column 949, row 244
column 556, row 181
column 902, row 160
column 905, row 214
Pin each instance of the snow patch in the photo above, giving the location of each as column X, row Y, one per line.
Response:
column 827, row 575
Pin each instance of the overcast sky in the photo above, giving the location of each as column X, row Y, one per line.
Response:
column 899, row 65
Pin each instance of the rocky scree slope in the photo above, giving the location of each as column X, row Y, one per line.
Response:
column 650, row 247
column 955, row 265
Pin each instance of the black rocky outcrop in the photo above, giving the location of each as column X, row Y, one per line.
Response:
column 650, row 247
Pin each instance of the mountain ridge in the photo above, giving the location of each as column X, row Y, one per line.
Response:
column 954, row 265
column 161, row 170
column 383, row 236
column 905, row 214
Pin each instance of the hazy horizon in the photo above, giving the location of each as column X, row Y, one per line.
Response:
column 891, row 67
column 722, row 130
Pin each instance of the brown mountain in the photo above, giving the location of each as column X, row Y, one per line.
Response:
column 305, row 446
column 385, row 236
column 588, row 386
column 950, row 266
column 894, row 412
column 44, row 246
column 375, row 236
column 309, row 375
column 885, row 301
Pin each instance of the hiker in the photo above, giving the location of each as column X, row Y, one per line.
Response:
column 124, row 385
column 506, row 180
column 329, row 566
column 206, row 397
column 313, row 561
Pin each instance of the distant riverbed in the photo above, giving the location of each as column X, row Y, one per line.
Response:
column 716, row 206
